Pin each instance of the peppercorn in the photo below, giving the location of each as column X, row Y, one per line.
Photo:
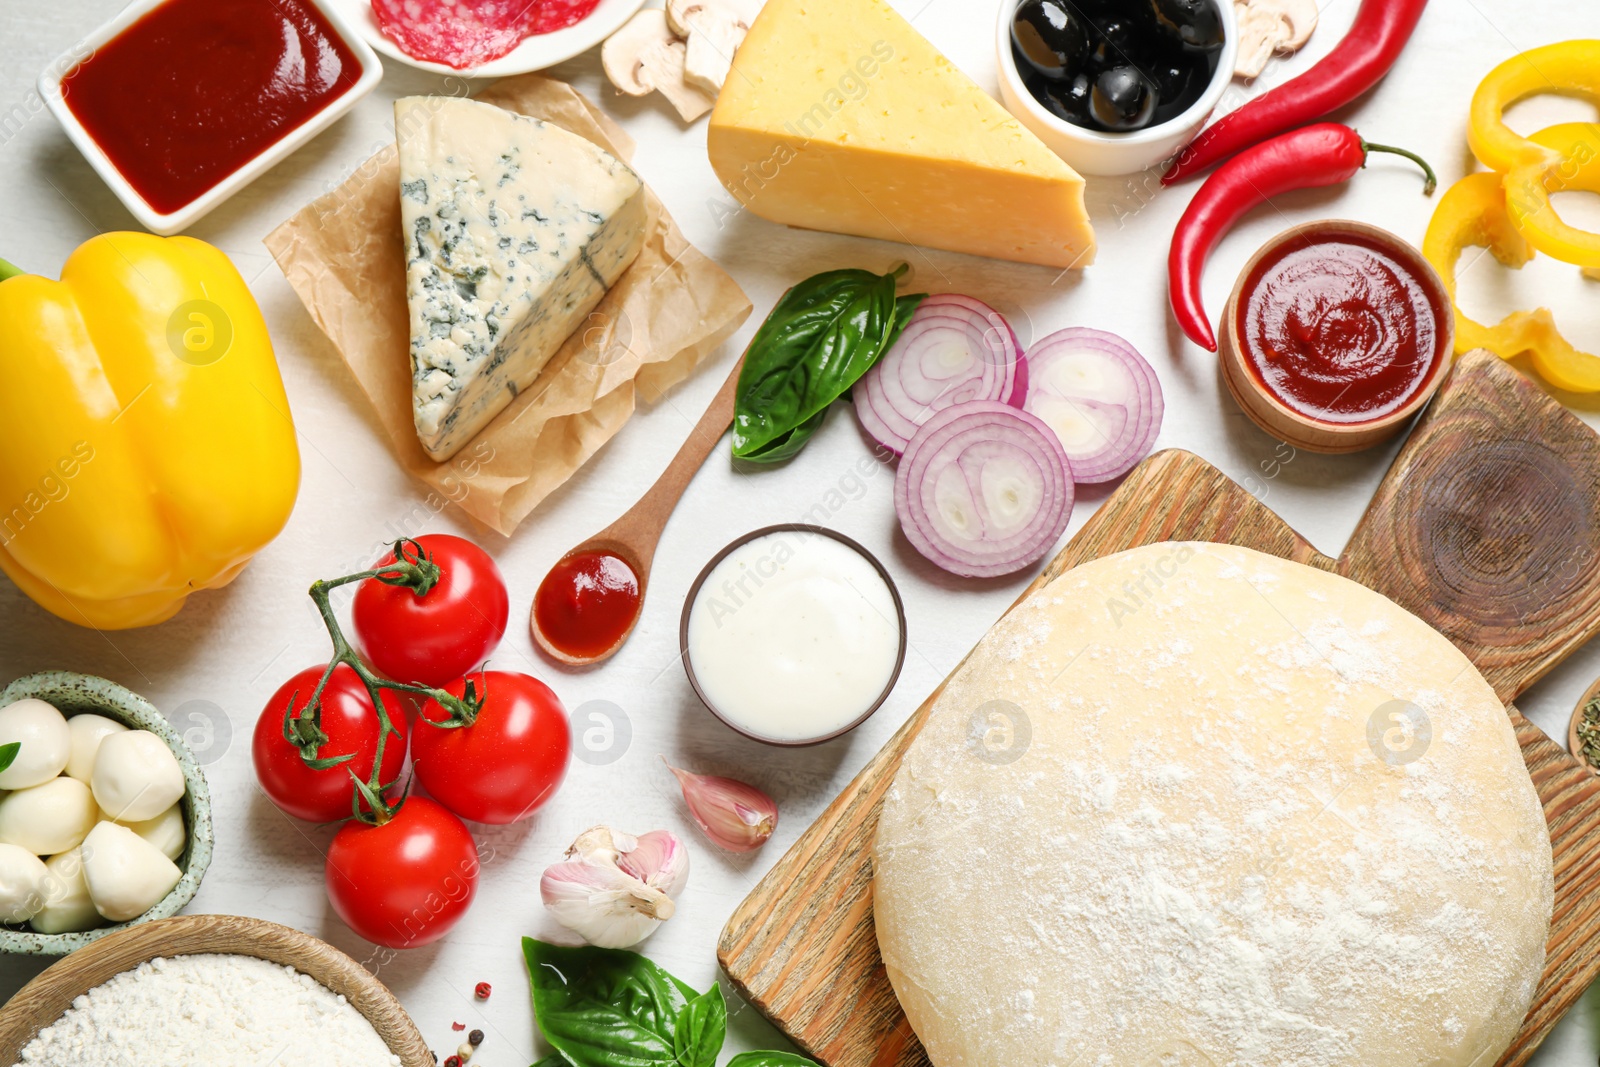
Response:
column 475, row 1038
column 481, row 991
column 452, row 1061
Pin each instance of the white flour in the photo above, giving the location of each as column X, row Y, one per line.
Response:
column 211, row 1010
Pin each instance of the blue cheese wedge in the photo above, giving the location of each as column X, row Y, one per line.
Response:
column 514, row 231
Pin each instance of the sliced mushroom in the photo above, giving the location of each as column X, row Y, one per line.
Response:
column 715, row 29
column 645, row 57
column 1271, row 27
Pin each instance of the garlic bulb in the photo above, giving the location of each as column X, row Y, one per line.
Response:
column 736, row 816
column 614, row 889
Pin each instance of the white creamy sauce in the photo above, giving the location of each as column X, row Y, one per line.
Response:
column 793, row 636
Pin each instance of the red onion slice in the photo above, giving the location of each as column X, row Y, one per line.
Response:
column 955, row 349
column 983, row 489
column 1099, row 396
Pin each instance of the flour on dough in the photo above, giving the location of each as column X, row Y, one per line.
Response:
column 1195, row 806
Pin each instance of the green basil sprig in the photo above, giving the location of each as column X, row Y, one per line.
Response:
column 8, row 754
column 821, row 338
column 603, row 1007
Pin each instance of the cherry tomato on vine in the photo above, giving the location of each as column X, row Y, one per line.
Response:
column 507, row 762
column 351, row 723
column 439, row 636
column 407, row 882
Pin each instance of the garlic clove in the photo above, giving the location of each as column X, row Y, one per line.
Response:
column 658, row 859
column 735, row 816
column 614, row 890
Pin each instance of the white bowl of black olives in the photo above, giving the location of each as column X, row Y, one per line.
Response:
column 1115, row 86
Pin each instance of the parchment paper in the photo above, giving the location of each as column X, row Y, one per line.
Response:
column 343, row 255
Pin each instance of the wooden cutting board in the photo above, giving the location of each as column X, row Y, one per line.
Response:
column 1487, row 526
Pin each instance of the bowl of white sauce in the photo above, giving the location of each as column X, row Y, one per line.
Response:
column 793, row 635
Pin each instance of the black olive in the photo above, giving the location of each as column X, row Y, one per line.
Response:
column 1179, row 82
column 1066, row 100
column 1196, row 23
column 1122, row 100
column 1050, row 37
column 1116, row 41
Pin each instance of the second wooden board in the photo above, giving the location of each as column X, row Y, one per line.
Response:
column 802, row 947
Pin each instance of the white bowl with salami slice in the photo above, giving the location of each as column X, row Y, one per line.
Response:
column 486, row 38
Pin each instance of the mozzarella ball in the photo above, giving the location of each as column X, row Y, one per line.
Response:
column 23, row 881
column 49, row 818
column 127, row 875
column 136, row 776
column 166, row 831
column 45, row 742
column 67, row 907
column 87, row 732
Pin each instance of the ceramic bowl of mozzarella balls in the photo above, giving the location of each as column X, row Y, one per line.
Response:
column 105, row 819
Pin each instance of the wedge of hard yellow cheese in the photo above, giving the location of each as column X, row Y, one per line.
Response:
column 839, row 116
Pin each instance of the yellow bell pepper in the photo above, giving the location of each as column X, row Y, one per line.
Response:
column 1571, row 68
column 1572, row 164
column 1471, row 213
column 146, row 445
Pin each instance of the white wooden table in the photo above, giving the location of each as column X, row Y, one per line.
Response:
column 212, row 668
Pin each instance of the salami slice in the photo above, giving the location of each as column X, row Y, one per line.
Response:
column 551, row 15
column 469, row 33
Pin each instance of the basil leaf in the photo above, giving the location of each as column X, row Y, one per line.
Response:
column 604, row 1007
column 904, row 308
column 8, row 754
column 555, row 1059
column 702, row 1025
column 823, row 335
column 770, row 1059
column 789, row 445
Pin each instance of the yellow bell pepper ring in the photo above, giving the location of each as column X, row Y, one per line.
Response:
column 1570, row 68
column 1572, row 165
column 146, row 445
column 1473, row 213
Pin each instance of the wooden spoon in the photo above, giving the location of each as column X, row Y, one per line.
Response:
column 1574, row 745
column 633, row 537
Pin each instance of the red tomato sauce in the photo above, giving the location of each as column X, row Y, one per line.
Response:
column 195, row 89
column 587, row 603
column 1338, row 329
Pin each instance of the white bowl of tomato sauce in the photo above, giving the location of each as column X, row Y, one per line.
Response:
column 179, row 104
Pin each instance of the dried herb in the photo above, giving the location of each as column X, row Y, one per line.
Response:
column 1589, row 733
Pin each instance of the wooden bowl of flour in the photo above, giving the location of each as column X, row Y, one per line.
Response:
column 45, row 999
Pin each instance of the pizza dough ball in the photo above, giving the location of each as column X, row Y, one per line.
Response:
column 1191, row 804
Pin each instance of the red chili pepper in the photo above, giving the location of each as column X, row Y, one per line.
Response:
column 1310, row 157
column 1356, row 64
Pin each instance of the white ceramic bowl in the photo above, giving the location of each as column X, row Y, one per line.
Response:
column 536, row 53
column 1091, row 152
column 176, row 221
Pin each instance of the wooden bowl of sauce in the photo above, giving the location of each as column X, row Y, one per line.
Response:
column 1336, row 335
